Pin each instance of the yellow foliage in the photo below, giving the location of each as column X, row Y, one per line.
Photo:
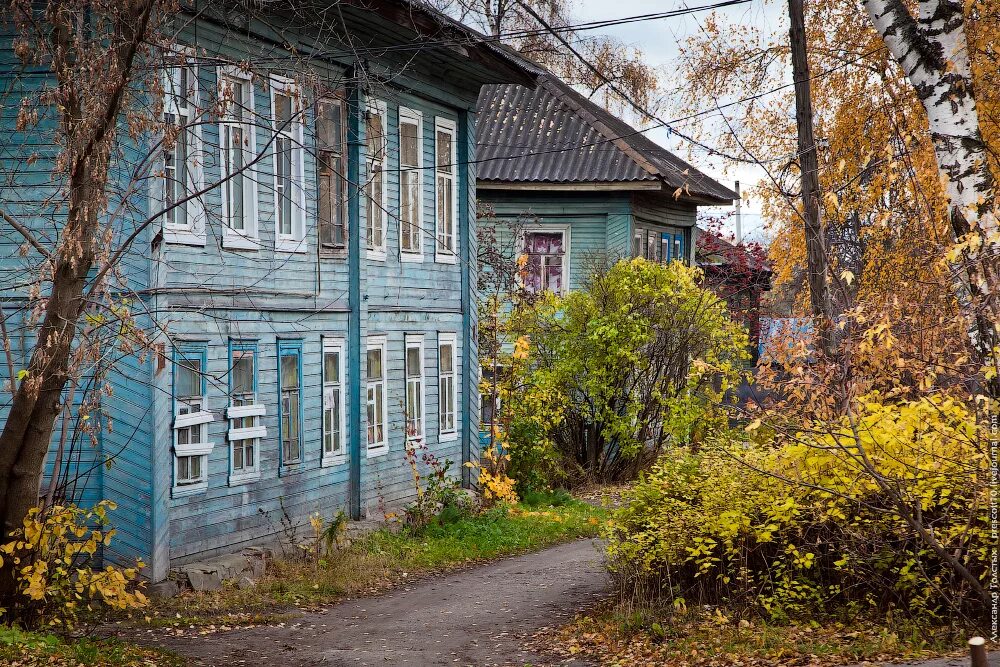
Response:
column 823, row 519
column 52, row 553
column 495, row 485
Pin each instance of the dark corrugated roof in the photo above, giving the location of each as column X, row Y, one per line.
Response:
column 552, row 134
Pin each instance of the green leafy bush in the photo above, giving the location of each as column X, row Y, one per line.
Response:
column 867, row 513
column 603, row 379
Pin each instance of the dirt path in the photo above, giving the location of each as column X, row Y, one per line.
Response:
column 475, row 617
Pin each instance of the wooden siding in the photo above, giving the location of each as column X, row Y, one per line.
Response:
column 30, row 193
column 659, row 210
column 210, row 295
column 597, row 221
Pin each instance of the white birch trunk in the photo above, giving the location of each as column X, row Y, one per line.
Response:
column 933, row 53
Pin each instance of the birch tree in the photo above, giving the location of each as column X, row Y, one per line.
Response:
column 932, row 50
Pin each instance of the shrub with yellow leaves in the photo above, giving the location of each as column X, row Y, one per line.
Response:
column 53, row 553
column 883, row 510
column 495, row 485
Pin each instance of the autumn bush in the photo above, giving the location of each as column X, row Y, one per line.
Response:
column 53, row 556
column 800, row 527
column 604, row 378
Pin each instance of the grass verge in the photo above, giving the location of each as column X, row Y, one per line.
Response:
column 385, row 558
column 28, row 649
column 614, row 637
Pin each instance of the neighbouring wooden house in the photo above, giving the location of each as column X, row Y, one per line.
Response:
column 579, row 183
column 313, row 315
column 738, row 273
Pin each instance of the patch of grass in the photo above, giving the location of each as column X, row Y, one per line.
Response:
column 554, row 498
column 384, row 558
column 27, row 649
column 627, row 635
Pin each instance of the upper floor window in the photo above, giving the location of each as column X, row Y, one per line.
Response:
column 446, row 189
column 547, row 260
column 333, row 401
column 244, row 414
column 410, row 192
column 447, row 396
column 414, row 369
column 375, row 378
column 237, row 147
column 191, row 419
column 290, row 405
column 182, row 177
column 331, row 131
column 375, row 143
column 289, row 165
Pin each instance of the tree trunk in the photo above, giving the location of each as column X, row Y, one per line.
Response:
column 87, row 129
column 817, row 256
column 933, row 53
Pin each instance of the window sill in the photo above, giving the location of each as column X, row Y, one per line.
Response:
column 189, row 489
column 291, row 245
column 450, row 436
column 183, row 237
column 375, row 255
column 376, row 452
column 445, row 257
column 241, row 478
column 290, row 468
column 334, row 460
column 233, row 240
column 332, row 252
column 411, row 258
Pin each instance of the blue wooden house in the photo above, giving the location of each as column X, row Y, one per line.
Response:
column 582, row 185
column 312, row 314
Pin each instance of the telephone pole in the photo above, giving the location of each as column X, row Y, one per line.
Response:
column 817, row 259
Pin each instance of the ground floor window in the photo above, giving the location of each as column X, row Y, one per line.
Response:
column 333, row 401
column 447, row 396
column 414, row 363
column 290, row 403
column 244, row 414
column 375, row 399
column 191, row 418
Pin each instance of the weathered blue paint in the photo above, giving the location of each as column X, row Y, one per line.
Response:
column 600, row 223
column 211, row 299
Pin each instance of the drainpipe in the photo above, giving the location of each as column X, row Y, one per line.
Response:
column 466, row 235
column 354, row 288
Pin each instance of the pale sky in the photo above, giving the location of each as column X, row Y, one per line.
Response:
column 658, row 39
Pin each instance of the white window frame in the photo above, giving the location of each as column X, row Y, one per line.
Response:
column 451, row 434
column 414, row 341
column 564, row 229
column 247, row 239
column 379, row 449
column 378, row 108
column 199, row 419
column 296, row 241
column 443, row 254
column 331, row 344
column 192, row 232
column 255, row 432
column 412, row 117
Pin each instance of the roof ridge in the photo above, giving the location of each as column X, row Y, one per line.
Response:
column 603, row 129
